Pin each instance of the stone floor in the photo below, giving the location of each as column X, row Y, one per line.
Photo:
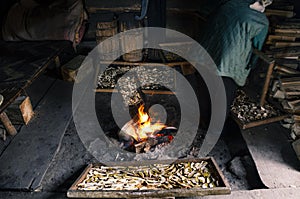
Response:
column 231, row 154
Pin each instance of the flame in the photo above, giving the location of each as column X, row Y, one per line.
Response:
column 144, row 119
column 144, row 127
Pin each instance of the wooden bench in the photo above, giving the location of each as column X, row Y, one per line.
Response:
column 20, row 64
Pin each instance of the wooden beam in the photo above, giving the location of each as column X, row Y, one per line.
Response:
column 149, row 92
column 267, row 83
column 11, row 130
column 172, row 64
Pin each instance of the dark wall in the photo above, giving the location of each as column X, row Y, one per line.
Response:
column 297, row 8
column 4, row 6
column 197, row 5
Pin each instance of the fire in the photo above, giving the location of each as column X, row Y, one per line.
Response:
column 144, row 118
column 144, row 128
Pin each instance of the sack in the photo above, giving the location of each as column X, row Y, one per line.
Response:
column 33, row 21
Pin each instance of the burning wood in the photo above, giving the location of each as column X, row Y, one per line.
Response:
column 143, row 134
column 185, row 175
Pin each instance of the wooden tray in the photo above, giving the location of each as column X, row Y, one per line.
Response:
column 185, row 67
column 247, row 125
column 223, row 188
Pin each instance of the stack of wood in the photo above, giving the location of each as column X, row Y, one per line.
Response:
column 283, row 44
column 281, row 8
column 287, row 92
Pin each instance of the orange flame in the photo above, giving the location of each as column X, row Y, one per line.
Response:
column 144, row 128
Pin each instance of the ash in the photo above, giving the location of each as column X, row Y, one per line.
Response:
column 161, row 152
column 248, row 111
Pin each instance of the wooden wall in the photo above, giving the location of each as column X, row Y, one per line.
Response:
column 184, row 16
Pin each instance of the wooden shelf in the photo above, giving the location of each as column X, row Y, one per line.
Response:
column 149, row 92
column 171, row 64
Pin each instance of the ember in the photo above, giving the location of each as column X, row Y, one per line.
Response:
column 142, row 135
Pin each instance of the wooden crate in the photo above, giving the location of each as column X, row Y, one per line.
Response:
column 224, row 187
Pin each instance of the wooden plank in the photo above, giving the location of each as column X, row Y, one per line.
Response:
column 285, row 52
column 280, row 44
column 288, row 35
column 287, row 31
column 26, row 160
column 22, row 62
column 31, row 195
column 288, row 193
column 171, row 64
column 263, row 122
column 20, row 111
column 10, row 92
column 271, row 150
column 36, row 91
column 267, row 84
column 11, row 130
column 286, row 70
column 290, row 81
column 281, row 38
column 294, row 64
column 280, row 13
column 149, row 92
column 39, row 88
column 283, row 7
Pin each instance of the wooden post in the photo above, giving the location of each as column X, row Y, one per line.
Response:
column 7, row 124
column 267, row 82
column 271, row 63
